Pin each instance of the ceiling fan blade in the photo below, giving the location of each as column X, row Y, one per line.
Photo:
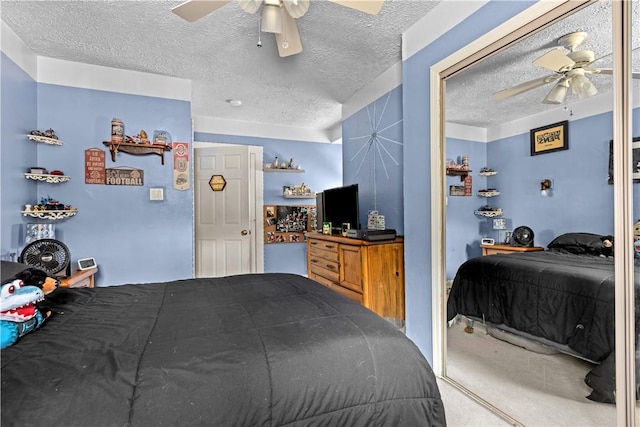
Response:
column 193, row 10
column 288, row 40
column 523, row 87
column 372, row 7
column 609, row 71
column 555, row 60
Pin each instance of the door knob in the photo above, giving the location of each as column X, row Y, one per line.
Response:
column 245, row 232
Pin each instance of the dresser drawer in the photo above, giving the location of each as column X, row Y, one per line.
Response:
column 327, row 246
column 327, row 269
column 318, row 253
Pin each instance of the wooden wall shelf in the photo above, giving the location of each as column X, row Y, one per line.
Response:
column 136, row 149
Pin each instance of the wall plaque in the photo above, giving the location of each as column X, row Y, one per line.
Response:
column 125, row 176
column 94, row 161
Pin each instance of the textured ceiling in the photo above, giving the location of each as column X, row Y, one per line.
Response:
column 469, row 94
column 343, row 51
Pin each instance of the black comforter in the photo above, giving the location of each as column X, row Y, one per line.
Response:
column 258, row 350
column 564, row 298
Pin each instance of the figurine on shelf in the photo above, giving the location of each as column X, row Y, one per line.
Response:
column 276, row 163
column 143, row 137
column 290, row 165
column 161, row 137
column 49, row 133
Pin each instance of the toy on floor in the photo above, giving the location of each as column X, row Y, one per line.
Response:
column 18, row 312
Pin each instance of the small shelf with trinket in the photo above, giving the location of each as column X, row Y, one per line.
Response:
column 48, row 137
column 51, row 214
column 37, row 173
column 277, row 166
column 283, row 170
column 298, row 192
column 49, row 208
column 488, row 211
column 136, row 149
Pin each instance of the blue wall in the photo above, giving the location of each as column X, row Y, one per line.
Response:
column 417, row 158
column 464, row 228
column 322, row 164
column 16, row 152
column 581, row 199
column 132, row 238
column 376, row 163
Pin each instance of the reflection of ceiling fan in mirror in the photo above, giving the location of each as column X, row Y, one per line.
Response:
column 278, row 16
column 569, row 69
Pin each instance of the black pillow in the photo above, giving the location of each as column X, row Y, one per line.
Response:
column 582, row 244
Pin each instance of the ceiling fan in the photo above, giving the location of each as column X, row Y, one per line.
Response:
column 278, row 16
column 569, row 69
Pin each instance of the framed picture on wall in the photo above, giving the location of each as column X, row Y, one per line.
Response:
column 635, row 160
column 551, row 138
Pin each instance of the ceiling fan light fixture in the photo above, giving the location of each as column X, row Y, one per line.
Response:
column 271, row 18
column 558, row 93
column 581, row 85
column 296, row 8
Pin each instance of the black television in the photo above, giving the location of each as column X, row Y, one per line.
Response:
column 341, row 205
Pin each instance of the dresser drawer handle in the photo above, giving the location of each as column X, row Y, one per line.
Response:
column 332, row 267
column 330, row 246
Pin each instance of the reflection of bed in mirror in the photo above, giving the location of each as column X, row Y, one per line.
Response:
column 562, row 297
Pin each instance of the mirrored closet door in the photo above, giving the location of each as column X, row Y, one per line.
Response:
column 530, row 222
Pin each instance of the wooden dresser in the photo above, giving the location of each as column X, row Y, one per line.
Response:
column 371, row 273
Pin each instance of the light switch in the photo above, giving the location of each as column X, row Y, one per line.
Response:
column 156, row 194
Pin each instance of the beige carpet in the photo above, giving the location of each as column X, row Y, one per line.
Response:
column 535, row 389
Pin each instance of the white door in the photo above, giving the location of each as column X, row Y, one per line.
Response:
column 225, row 221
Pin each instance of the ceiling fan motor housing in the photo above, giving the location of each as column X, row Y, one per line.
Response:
column 582, row 58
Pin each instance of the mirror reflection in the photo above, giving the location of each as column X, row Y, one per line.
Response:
column 530, row 224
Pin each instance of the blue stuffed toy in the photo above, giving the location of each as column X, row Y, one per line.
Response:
column 18, row 312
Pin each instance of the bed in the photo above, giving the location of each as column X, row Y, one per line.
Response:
column 562, row 297
column 257, row 350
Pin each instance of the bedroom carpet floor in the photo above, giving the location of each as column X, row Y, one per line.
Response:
column 536, row 389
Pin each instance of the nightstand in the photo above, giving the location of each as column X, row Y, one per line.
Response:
column 79, row 279
column 507, row 249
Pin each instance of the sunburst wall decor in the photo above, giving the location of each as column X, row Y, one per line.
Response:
column 373, row 157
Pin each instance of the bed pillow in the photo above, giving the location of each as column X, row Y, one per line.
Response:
column 582, row 244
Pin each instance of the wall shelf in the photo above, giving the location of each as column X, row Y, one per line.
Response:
column 283, row 170
column 488, row 193
column 489, row 213
column 46, row 140
column 51, row 179
column 302, row 196
column 136, row 149
column 52, row 214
